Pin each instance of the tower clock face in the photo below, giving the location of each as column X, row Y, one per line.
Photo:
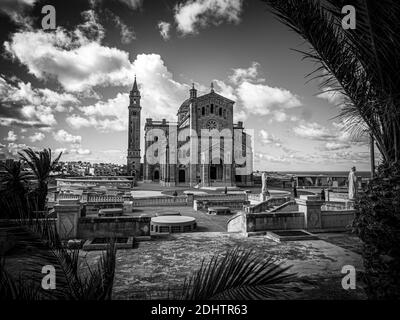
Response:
column 212, row 124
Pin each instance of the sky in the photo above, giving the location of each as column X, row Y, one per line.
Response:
column 68, row 88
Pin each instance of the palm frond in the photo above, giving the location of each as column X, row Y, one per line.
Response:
column 237, row 275
column 361, row 64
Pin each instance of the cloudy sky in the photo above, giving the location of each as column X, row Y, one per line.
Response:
column 68, row 88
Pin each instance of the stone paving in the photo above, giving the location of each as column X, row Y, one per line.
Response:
column 158, row 266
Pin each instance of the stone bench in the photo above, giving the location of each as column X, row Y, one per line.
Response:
column 219, row 210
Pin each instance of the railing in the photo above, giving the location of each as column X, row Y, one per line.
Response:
column 266, row 205
column 105, row 198
column 337, row 205
column 256, row 197
column 223, row 196
column 66, row 196
column 160, row 201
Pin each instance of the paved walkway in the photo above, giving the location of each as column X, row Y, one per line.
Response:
column 156, row 266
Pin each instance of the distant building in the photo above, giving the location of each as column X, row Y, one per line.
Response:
column 133, row 158
column 207, row 112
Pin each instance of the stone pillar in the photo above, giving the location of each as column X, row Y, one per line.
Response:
column 68, row 212
column 127, row 206
column 311, row 207
column 172, row 174
column 205, row 181
column 227, row 174
column 192, row 175
column 84, row 197
column 190, row 199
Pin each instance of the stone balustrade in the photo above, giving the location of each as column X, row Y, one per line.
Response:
column 266, row 205
column 160, row 201
column 309, row 216
column 71, row 226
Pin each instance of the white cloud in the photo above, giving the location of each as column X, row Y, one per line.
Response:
column 133, row 4
column 75, row 59
column 14, row 148
column 262, row 99
column 76, row 122
column 335, row 146
column 164, row 28
column 22, row 104
column 239, row 115
column 268, row 138
column 127, row 33
column 194, row 14
column 63, row 150
column 225, row 90
column 15, row 10
column 11, row 136
column 38, row 136
column 241, row 74
column 280, row 116
column 314, row 131
column 64, row 136
column 161, row 98
column 261, row 156
column 80, row 151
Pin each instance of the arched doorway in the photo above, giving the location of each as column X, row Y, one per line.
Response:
column 216, row 170
column 213, row 172
column 182, row 175
column 156, row 175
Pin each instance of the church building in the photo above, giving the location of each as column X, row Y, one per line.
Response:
column 188, row 156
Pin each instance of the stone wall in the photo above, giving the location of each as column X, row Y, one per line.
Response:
column 93, row 208
column 105, row 227
column 249, row 223
column 337, row 220
column 232, row 204
column 309, row 216
column 70, row 224
column 266, row 205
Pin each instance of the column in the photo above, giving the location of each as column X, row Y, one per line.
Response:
column 67, row 219
column 311, row 207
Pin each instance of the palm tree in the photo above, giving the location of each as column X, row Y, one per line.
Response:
column 238, row 275
column 76, row 280
column 13, row 187
column 363, row 66
column 41, row 165
column 15, row 179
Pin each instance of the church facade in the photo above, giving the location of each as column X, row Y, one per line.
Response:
column 204, row 147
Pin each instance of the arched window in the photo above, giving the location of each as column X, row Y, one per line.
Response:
column 220, row 111
column 156, row 138
column 212, row 108
column 203, row 111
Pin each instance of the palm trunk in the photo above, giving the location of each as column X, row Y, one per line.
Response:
column 372, row 152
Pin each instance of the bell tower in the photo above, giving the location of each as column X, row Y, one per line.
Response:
column 133, row 158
